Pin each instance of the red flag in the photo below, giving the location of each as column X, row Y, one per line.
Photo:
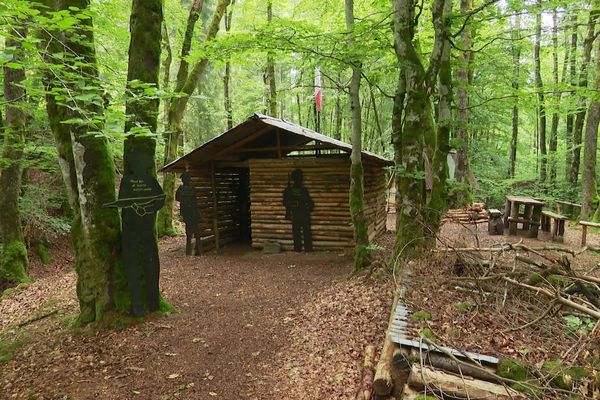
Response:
column 318, row 90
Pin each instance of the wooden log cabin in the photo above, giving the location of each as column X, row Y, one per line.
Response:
column 241, row 174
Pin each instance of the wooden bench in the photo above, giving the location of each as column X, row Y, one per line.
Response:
column 495, row 222
column 557, row 222
column 569, row 209
column 584, row 226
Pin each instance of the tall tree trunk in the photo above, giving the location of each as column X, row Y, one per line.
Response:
column 438, row 202
column 13, row 253
column 166, row 70
column 570, row 120
column 270, row 71
column 589, row 189
column 187, row 82
column 539, row 85
column 556, row 99
column 461, row 173
column 357, row 198
column 516, row 53
column 418, row 134
column 227, row 75
column 582, row 103
column 86, row 163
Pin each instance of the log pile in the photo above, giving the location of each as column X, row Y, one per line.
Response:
column 474, row 213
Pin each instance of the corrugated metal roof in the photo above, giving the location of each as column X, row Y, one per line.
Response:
column 294, row 135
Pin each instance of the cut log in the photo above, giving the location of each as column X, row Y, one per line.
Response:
column 366, row 385
column 383, row 382
column 459, row 386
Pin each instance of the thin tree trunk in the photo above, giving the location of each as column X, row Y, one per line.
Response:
column 590, row 194
column 357, row 200
column 556, row 98
column 582, row 103
column 227, row 75
column 86, row 163
column 187, row 82
column 377, row 121
column 13, row 252
column 570, row 120
column 516, row 51
column 461, row 173
column 270, row 72
column 438, row 201
column 539, row 85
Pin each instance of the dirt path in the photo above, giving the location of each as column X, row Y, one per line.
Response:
column 239, row 313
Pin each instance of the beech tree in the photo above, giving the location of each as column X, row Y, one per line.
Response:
column 357, row 198
column 75, row 108
column 13, row 253
column 187, row 82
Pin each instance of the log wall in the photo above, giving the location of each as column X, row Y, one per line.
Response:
column 327, row 180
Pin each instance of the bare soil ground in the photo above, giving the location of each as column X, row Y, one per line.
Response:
column 250, row 326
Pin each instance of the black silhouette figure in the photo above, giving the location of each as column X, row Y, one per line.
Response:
column 298, row 206
column 188, row 208
column 140, row 197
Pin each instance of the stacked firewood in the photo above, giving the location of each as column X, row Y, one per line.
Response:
column 474, row 213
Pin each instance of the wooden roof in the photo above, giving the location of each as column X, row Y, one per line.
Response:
column 261, row 136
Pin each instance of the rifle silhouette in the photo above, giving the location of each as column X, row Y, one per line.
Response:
column 138, row 204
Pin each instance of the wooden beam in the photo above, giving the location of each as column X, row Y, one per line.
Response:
column 285, row 148
column 215, row 210
column 242, row 142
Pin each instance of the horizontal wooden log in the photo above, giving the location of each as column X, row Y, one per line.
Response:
column 459, row 386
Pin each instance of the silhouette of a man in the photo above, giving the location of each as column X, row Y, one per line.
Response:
column 188, row 208
column 298, row 206
column 140, row 197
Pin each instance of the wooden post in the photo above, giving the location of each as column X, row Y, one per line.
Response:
column 215, row 210
column 527, row 216
column 583, row 235
column 506, row 213
column 535, row 219
column 514, row 214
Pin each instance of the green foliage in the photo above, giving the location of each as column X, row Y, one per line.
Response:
column 420, row 316
column 465, row 306
column 581, row 325
column 43, row 253
column 13, row 261
column 43, row 211
column 512, row 369
column 8, row 347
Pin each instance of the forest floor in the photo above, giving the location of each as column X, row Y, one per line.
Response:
column 249, row 326
column 269, row 326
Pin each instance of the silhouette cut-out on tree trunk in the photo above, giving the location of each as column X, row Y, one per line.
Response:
column 140, row 197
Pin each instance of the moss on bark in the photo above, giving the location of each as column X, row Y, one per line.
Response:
column 362, row 256
column 13, row 256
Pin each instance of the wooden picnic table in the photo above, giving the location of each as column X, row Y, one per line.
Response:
column 529, row 217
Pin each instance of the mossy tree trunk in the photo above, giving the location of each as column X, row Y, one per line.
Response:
column 85, row 159
column 588, row 42
column 13, row 252
column 461, row 173
column 438, row 199
column 417, row 139
column 556, row 99
column 187, row 82
column 357, row 195
column 590, row 193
